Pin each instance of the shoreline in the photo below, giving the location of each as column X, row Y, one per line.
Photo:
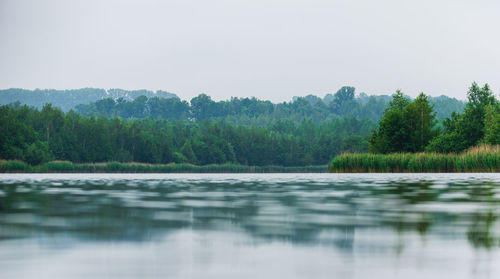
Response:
column 483, row 158
column 15, row 166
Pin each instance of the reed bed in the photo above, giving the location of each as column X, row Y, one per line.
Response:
column 14, row 166
column 118, row 167
column 483, row 158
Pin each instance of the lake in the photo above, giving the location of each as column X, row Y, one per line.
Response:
column 249, row 226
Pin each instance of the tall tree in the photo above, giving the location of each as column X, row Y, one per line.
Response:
column 343, row 101
column 473, row 124
column 392, row 134
column 420, row 121
column 492, row 124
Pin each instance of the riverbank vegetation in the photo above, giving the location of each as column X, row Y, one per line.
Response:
column 308, row 131
column 408, row 138
column 483, row 158
column 38, row 136
column 14, row 166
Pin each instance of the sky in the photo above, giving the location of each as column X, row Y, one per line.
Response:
column 270, row 49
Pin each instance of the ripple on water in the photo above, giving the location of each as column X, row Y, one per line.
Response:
column 367, row 224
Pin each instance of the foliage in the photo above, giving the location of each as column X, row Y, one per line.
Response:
column 69, row 99
column 420, row 122
column 251, row 111
column 158, row 128
column 492, row 124
column 465, row 130
column 37, row 136
column 37, row 153
column 406, row 126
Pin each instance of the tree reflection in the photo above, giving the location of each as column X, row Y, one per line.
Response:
column 299, row 213
column 480, row 234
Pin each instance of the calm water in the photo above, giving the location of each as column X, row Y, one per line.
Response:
column 250, row 226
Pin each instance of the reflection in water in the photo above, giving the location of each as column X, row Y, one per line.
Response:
column 323, row 225
column 480, row 232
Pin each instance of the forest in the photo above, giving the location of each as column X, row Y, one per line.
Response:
column 252, row 111
column 165, row 105
column 37, row 136
column 244, row 131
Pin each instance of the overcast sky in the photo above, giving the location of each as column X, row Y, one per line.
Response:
column 270, row 49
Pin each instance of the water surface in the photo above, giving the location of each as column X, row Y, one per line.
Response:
column 249, row 226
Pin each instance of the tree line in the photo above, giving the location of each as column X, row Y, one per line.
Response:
column 252, row 111
column 70, row 98
column 36, row 136
column 247, row 131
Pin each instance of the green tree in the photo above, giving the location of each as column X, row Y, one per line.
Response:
column 37, row 153
column 187, row 151
column 473, row 124
column 420, row 122
column 392, row 134
column 492, row 124
column 465, row 130
column 354, row 144
column 343, row 101
column 406, row 126
column 202, row 107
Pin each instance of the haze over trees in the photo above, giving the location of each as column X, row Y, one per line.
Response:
column 306, row 131
column 69, row 99
column 247, row 111
column 251, row 111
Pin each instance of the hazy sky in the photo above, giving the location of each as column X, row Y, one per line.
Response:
column 270, row 49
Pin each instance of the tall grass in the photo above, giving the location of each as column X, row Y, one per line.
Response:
column 117, row 167
column 14, row 166
column 482, row 158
